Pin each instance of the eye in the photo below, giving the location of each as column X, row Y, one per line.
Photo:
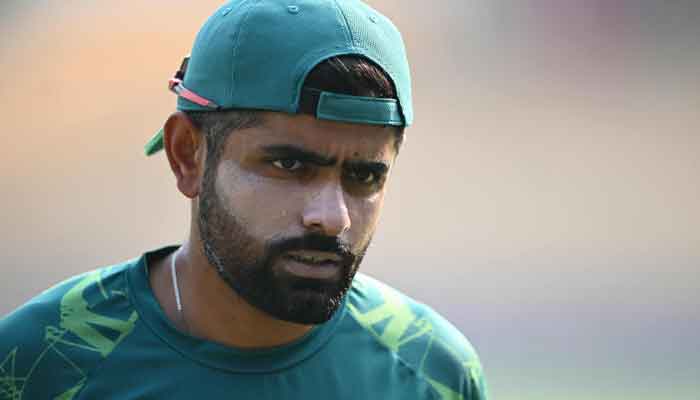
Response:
column 288, row 164
column 364, row 176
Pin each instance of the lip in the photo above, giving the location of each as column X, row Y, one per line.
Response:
column 301, row 269
column 331, row 257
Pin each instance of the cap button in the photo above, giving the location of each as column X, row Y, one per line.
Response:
column 373, row 18
column 293, row 9
column 225, row 11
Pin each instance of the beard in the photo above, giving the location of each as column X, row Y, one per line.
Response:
column 251, row 267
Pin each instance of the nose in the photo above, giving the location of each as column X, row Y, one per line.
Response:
column 326, row 212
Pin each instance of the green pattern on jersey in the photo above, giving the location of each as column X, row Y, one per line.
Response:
column 398, row 320
column 76, row 318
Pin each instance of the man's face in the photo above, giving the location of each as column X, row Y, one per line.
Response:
column 289, row 210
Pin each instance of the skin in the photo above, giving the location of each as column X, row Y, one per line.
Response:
column 273, row 192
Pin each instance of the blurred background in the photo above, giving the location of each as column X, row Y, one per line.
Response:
column 546, row 200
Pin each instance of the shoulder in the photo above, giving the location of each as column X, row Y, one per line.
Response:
column 46, row 344
column 419, row 336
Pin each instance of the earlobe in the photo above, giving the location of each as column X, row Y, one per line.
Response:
column 183, row 146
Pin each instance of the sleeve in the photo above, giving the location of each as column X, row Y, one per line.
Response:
column 423, row 339
column 451, row 364
column 31, row 364
column 477, row 383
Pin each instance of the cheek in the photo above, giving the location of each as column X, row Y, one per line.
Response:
column 364, row 216
column 264, row 207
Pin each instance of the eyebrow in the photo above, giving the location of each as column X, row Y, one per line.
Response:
column 308, row 156
column 298, row 153
column 377, row 167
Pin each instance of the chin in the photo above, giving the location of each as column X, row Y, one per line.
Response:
column 309, row 307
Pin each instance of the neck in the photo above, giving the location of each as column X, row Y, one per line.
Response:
column 213, row 311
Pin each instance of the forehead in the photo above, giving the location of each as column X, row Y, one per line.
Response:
column 328, row 137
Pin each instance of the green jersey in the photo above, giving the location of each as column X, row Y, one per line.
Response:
column 103, row 335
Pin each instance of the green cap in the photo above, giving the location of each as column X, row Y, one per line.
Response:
column 256, row 54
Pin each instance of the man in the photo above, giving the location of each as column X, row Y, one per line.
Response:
column 290, row 117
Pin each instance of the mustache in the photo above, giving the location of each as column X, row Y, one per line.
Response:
column 313, row 242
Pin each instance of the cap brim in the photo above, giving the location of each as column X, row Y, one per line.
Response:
column 155, row 144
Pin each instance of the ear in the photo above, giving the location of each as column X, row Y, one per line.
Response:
column 184, row 145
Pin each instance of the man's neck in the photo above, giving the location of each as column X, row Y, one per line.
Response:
column 211, row 310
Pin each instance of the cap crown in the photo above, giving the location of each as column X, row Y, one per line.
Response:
column 256, row 54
